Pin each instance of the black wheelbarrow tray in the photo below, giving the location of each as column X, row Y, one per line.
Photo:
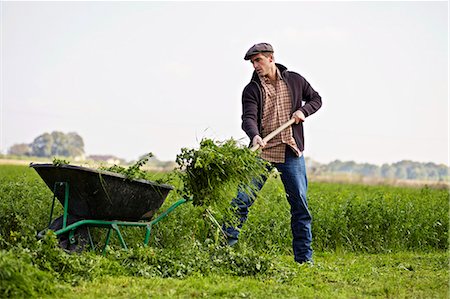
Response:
column 104, row 199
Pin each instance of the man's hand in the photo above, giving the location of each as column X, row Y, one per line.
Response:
column 257, row 140
column 299, row 116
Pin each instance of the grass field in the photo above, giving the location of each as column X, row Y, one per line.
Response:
column 369, row 241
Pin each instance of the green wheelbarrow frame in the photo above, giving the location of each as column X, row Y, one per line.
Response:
column 109, row 224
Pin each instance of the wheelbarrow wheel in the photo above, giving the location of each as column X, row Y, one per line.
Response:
column 74, row 241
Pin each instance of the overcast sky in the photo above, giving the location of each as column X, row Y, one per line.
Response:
column 134, row 77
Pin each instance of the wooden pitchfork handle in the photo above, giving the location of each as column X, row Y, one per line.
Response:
column 275, row 132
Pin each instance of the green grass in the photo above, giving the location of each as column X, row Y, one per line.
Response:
column 369, row 241
column 401, row 275
column 353, row 218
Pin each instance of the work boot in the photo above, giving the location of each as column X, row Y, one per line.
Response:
column 232, row 241
column 306, row 262
column 231, row 233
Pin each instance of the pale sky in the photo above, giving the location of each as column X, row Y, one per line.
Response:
column 134, row 77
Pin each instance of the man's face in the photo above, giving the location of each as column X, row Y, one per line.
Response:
column 262, row 64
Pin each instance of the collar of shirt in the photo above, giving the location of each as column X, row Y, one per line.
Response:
column 265, row 79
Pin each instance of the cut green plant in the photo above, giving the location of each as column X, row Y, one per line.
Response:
column 132, row 172
column 59, row 162
column 212, row 174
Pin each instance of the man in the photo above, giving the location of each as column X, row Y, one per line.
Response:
column 274, row 96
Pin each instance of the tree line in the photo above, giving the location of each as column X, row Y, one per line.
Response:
column 404, row 170
column 50, row 145
column 72, row 145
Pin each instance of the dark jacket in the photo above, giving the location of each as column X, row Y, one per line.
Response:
column 300, row 91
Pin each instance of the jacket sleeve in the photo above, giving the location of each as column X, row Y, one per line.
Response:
column 312, row 99
column 250, row 110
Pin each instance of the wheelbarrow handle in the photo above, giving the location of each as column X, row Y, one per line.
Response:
column 275, row 132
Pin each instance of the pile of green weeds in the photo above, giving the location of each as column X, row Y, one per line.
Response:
column 212, row 174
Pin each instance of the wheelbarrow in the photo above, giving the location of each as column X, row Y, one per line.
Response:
column 103, row 199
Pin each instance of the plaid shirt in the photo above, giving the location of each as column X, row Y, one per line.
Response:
column 276, row 111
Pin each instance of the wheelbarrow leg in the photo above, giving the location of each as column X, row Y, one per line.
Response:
column 148, row 231
column 108, row 236
column 53, row 204
column 115, row 227
column 66, row 202
column 90, row 238
column 122, row 241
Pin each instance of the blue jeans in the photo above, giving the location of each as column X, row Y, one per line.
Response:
column 293, row 176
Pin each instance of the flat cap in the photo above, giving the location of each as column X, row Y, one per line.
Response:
column 258, row 48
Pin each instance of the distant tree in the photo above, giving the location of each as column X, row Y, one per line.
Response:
column 58, row 144
column 369, row 170
column 401, row 172
column 432, row 174
column 387, row 171
column 42, row 145
column 416, row 171
column 443, row 171
column 21, row 149
column 406, row 169
column 348, row 166
column 339, row 166
column 76, row 144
